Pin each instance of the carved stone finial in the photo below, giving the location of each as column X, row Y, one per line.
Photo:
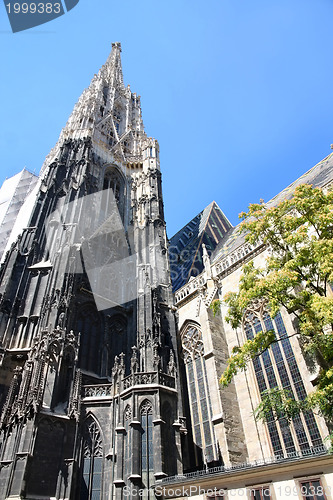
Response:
column 116, row 45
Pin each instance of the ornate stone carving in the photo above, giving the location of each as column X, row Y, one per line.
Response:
column 146, row 378
column 172, row 365
column 128, row 413
column 97, row 391
column 134, row 360
column 93, row 444
column 146, row 408
column 74, row 406
column 26, row 394
column 183, row 427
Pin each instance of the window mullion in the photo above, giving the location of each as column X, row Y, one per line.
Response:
column 209, row 406
column 263, row 370
column 195, row 373
column 91, row 471
column 280, row 385
column 294, row 392
column 191, row 402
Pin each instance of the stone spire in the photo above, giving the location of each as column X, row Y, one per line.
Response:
column 112, row 70
column 93, row 260
column 105, row 112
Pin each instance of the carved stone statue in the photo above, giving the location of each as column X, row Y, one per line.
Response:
column 206, row 261
column 134, row 360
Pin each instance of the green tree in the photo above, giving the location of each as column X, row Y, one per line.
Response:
column 297, row 276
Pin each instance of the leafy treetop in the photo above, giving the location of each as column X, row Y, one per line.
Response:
column 297, row 276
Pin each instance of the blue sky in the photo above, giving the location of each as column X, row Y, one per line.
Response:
column 238, row 92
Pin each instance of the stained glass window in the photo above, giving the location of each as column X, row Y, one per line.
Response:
column 92, row 462
column 297, row 380
column 277, row 367
column 147, row 449
column 200, row 402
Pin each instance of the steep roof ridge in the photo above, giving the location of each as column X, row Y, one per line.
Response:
column 202, row 232
column 205, row 216
column 209, row 227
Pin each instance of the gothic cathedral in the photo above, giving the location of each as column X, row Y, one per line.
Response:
column 110, row 354
column 88, row 332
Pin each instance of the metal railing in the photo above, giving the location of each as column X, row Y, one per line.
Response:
column 296, row 455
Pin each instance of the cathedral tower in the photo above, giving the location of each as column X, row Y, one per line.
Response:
column 89, row 367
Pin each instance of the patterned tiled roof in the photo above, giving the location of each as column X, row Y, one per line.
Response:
column 209, row 227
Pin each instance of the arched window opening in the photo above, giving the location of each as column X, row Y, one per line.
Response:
column 200, row 402
column 168, row 440
column 147, row 449
column 65, row 379
column 92, row 462
column 45, row 464
column 89, row 326
column 113, row 191
column 117, row 339
column 277, row 367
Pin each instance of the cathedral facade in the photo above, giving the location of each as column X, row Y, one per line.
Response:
column 260, row 461
column 110, row 354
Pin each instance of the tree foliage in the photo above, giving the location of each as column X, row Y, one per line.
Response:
column 297, row 276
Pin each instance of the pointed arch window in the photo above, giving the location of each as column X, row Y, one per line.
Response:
column 277, row 367
column 65, row 378
column 112, row 181
column 147, row 449
column 200, row 402
column 168, row 440
column 113, row 190
column 88, row 324
column 92, row 462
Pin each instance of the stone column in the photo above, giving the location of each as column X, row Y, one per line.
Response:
column 158, row 461
column 177, row 426
column 135, row 476
column 119, row 481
